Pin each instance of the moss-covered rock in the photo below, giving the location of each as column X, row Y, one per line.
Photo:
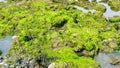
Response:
column 114, row 4
column 114, row 19
column 49, row 32
column 65, row 59
column 99, row 7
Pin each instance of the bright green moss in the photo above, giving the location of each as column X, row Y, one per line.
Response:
column 114, row 19
column 114, row 4
column 54, row 30
column 67, row 55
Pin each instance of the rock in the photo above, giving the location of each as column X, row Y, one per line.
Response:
column 1, row 59
column 85, row 53
column 105, row 42
column 75, row 35
column 92, row 53
column 5, row 66
column 52, row 65
column 32, row 63
column 15, row 37
column 112, row 45
column 109, row 45
column 111, row 42
column 76, row 49
column 55, row 44
column 107, row 49
column 37, row 66
column 116, row 61
column 12, row 66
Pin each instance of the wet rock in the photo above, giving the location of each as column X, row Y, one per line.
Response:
column 82, row 51
column 107, row 49
column 27, row 62
column 88, row 53
column 69, row 44
column 76, row 49
column 52, row 65
column 75, row 35
column 11, row 66
column 113, row 45
column 15, row 37
column 116, row 61
column 32, row 63
column 111, row 42
column 5, row 66
column 92, row 53
column 85, row 53
column 56, row 44
column 105, row 42
column 62, row 65
column 1, row 59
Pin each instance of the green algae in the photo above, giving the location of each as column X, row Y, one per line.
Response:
column 114, row 4
column 91, row 5
column 54, row 29
column 114, row 19
column 66, row 55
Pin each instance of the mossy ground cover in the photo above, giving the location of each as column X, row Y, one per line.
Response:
column 114, row 4
column 54, row 29
column 114, row 19
column 89, row 5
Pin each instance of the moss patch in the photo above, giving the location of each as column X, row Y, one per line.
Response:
column 54, row 29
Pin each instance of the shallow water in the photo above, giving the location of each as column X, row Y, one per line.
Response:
column 3, row 0
column 84, row 10
column 109, row 12
column 5, row 44
column 106, row 59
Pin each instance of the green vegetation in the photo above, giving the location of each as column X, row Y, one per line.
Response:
column 54, row 30
column 87, row 5
column 114, row 19
column 114, row 4
column 0, row 52
column 67, row 55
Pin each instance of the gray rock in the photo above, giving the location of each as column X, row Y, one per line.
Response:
column 52, row 65
column 116, row 61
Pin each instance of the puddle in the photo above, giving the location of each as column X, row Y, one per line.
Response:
column 5, row 44
column 3, row 0
column 106, row 59
column 84, row 10
column 109, row 12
